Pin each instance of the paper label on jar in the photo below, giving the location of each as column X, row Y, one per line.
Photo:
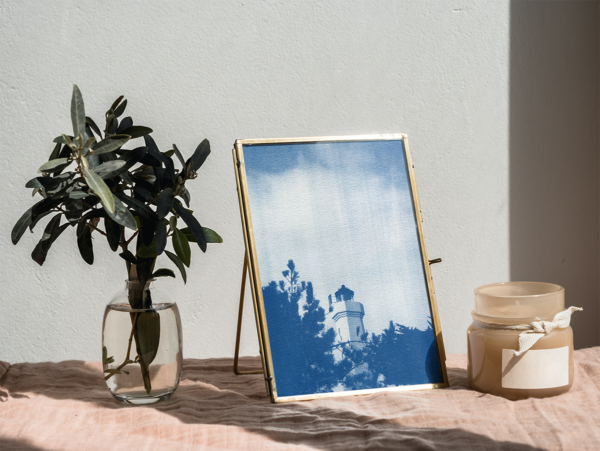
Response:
column 540, row 368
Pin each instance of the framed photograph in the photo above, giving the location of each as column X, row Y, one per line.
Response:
column 341, row 283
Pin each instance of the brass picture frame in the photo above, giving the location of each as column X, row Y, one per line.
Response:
column 251, row 263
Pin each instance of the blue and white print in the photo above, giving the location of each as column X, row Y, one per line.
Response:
column 338, row 251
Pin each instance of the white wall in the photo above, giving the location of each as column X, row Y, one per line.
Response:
column 438, row 71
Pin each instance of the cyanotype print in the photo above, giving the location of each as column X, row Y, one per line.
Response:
column 343, row 282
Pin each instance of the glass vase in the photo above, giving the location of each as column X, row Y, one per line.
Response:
column 141, row 344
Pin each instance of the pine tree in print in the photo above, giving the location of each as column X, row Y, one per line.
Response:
column 311, row 356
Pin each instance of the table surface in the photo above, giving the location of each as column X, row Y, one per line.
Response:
column 66, row 406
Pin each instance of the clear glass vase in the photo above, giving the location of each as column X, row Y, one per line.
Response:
column 141, row 344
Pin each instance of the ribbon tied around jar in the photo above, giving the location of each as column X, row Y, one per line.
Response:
column 534, row 331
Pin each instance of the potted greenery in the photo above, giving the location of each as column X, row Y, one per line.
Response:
column 135, row 199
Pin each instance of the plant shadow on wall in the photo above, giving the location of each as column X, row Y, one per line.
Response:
column 310, row 357
column 138, row 194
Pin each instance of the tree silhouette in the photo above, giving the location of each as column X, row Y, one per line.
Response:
column 302, row 350
column 400, row 355
column 302, row 347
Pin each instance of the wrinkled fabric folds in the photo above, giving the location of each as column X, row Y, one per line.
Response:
column 66, row 406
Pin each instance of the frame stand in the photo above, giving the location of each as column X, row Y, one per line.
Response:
column 238, row 335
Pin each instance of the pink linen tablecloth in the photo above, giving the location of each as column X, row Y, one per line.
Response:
column 66, row 406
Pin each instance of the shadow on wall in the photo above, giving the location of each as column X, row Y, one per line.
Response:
column 554, row 152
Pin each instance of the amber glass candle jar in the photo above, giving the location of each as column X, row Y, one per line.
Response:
column 502, row 312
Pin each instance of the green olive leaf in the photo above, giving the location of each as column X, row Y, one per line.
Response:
column 120, row 109
column 54, row 165
column 93, row 125
column 179, row 156
column 55, row 152
column 200, row 155
column 136, row 131
column 175, row 259
column 128, row 256
column 182, row 247
column 84, row 242
column 161, row 236
column 97, row 185
column 21, row 225
column 122, row 215
column 192, row 223
column 165, row 202
column 211, row 235
column 147, row 251
column 110, row 166
column 51, row 233
column 109, row 144
column 77, row 112
column 113, row 232
column 163, row 272
column 173, row 223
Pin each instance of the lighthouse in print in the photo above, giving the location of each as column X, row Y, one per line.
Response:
column 345, row 317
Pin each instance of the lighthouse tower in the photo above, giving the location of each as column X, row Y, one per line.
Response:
column 345, row 316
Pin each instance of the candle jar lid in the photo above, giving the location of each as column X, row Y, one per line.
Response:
column 520, row 302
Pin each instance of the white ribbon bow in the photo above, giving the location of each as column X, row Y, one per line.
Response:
column 540, row 328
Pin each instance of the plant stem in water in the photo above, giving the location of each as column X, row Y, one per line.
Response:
column 127, row 360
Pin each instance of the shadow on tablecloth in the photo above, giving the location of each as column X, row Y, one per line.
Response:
column 66, row 405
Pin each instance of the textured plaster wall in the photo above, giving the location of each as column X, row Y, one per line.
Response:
column 438, row 71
